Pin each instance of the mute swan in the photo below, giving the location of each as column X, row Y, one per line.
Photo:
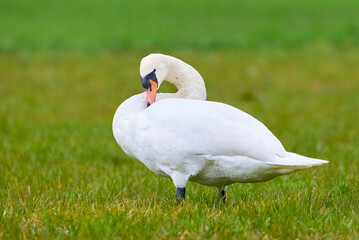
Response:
column 183, row 137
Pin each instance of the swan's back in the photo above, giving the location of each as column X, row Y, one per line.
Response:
column 195, row 127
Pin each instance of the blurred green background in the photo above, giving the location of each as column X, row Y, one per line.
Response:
column 107, row 25
column 65, row 66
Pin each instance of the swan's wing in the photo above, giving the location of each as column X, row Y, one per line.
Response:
column 193, row 127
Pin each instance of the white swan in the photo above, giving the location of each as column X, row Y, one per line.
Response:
column 183, row 137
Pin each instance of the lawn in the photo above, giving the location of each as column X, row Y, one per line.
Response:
column 62, row 174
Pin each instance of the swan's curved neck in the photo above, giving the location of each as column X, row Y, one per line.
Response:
column 187, row 80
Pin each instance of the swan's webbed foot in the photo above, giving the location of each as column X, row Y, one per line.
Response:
column 180, row 194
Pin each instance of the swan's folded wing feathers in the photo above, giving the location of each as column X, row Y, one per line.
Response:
column 209, row 128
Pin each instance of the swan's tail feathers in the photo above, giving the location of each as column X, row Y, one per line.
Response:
column 297, row 162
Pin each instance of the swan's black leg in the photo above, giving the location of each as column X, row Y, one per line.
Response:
column 223, row 195
column 180, row 194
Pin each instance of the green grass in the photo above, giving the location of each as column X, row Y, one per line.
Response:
column 96, row 26
column 62, row 174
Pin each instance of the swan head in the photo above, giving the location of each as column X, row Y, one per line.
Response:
column 153, row 71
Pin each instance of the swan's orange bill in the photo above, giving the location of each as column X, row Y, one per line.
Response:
column 151, row 93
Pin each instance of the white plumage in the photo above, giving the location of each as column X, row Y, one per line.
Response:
column 185, row 138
